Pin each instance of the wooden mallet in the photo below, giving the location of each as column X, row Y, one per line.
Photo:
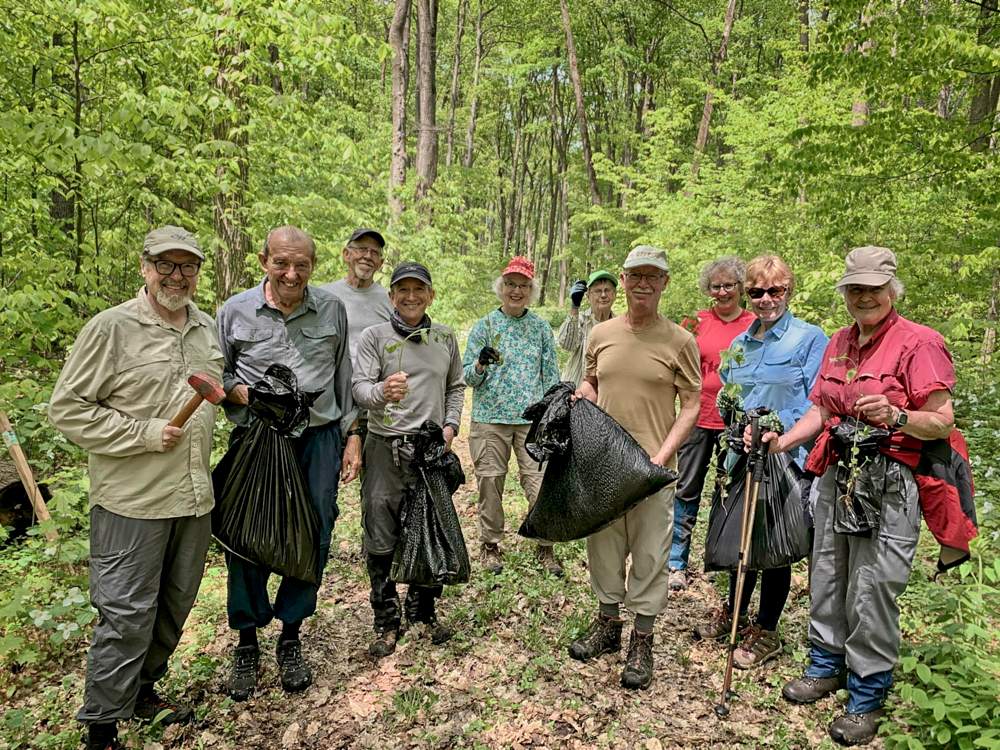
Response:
column 25, row 474
column 206, row 388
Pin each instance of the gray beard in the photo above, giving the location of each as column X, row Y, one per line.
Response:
column 172, row 302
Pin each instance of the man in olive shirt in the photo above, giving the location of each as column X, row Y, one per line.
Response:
column 637, row 365
column 150, row 485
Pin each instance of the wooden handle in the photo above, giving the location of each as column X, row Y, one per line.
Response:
column 185, row 413
column 24, row 472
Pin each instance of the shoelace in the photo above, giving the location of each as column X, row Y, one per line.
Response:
column 291, row 655
column 244, row 665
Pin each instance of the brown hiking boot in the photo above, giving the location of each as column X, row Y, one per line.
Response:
column 811, row 689
column 492, row 558
column 638, row 671
column 546, row 557
column 604, row 636
column 856, row 729
column 756, row 647
column 385, row 641
column 718, row 626
column 678, row 580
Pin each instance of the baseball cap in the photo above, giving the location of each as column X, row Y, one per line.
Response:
column 520, row 264
column 410, row 270
column 601, row 276
column 169, row 237
column 646, row 255
column 869, row 265
column 362, row 231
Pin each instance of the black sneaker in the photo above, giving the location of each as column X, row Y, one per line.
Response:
column 243, row 673
column 295, row 673
column 604, row 636
column 638, row 671
column 149, row 705
column 385, row 641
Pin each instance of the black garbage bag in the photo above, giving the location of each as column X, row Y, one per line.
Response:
column 860, row 477
column 431, row 550
column 780, row 534
column 595, row 472
column 263, row 511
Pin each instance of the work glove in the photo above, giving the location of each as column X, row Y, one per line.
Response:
column 488, row 355
column 577, row 291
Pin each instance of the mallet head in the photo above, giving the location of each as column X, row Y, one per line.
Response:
column 207, row 387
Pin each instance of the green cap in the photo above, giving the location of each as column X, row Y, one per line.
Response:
column 601, row 276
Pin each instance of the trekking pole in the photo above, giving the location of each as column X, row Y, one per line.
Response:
column 755, row 470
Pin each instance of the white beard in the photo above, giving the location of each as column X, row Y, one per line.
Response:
column 172, row 302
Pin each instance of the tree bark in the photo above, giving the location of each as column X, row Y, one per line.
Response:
column 470, row 131
column 581, row 112
column 706, row 111
column 398, row 33
column 427, row 136
column 456, row 65
column 804, row 25
column 982, row 113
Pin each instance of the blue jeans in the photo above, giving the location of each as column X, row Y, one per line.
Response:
column 866, row 693
column 693, row 459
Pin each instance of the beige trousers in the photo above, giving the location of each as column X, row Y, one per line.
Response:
column 490, row 445
column 645, row 533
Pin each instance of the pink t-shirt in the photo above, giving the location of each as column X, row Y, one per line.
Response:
column 714, row 334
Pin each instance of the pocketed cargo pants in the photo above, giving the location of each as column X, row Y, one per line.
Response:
column 144, row 576
column 490, row 445
column 318, row 451
column 855, row 584
column 644, row 532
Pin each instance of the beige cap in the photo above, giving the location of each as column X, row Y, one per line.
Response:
column 170, row 237
column 869, row 266
column 646, row 255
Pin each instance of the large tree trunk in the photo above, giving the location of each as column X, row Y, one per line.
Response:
column 399, row 41
column 427, row 136
column 581, row 112
column 470, row 130
column 456, row 65
column 706, row 111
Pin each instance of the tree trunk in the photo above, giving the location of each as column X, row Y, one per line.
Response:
column 581, row 112
column 982, row 113
column 706, row 110
column 398, row 33
column 990, row 336
column 804, row 25
column 456, row 65
column 470, row 131
column 427, row 135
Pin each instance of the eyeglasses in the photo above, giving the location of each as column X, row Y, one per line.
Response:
column 166, row 268
column 716, row 288
column 650, row 278
column 522, row 287
column 775, row 292
column 374, row 252
column 859, row 289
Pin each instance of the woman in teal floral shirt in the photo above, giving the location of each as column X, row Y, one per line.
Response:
column 510, row 361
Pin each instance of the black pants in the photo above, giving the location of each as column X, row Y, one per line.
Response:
column 774, row 587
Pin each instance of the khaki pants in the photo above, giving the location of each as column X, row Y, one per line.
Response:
column 490, row 445
column 645, row 533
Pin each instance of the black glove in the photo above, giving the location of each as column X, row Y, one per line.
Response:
column 488, row 355
column 577, row 291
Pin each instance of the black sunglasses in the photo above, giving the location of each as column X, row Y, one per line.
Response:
column 776, row 292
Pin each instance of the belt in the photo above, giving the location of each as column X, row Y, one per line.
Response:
column 397, row 440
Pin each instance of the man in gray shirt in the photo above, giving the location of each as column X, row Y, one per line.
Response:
column 284, row 320
column 366, row 300
column 408, row 370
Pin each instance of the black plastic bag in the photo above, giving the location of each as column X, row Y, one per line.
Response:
column 780, row 533
column 263, row 511
column 860, row 477
column 431, row 550
column 595, row 472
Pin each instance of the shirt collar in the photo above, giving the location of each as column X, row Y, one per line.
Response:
column 260, row 298
column 778, row 329
column 888, row 322
column 148, row 315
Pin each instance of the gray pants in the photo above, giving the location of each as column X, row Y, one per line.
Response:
column 856, row 580
column 382, row 488
column 144, row 576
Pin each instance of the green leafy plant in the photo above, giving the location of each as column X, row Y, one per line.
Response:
column 425, row 335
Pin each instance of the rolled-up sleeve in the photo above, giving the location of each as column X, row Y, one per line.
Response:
column 570, row 336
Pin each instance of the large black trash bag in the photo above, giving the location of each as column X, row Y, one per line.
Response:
column 595, row 472
column 780, row 534
column 263, row 511
column 857, row 510
column 431, row 550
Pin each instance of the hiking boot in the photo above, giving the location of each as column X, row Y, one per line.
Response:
column 295, row 673
column 103, row 737
column 492, row 558
column 243, row 673
column 149, row 705
column 678, row 580
column 419, row 607
column 547, row 559
column 756, row 647
column 811, row 689
column 856, row 729
column 604, row 636
column 385, row 641
column 638, row 671
column 718, row 626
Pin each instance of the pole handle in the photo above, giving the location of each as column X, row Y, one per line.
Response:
column 187, row 410
column 25, row 474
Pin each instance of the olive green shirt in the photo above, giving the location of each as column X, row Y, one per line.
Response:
column 124, row 379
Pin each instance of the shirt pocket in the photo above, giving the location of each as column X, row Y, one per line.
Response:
column 780, row 368
column 254, row 343
column 145, row 385
column 319, row 342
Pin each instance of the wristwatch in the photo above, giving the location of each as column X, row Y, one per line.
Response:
column 901, row 419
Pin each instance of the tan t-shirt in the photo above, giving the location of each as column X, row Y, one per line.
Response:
column 639, row 373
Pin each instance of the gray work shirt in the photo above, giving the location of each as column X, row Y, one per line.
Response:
column 312, row 341
column 435, row 382
column 365, row 307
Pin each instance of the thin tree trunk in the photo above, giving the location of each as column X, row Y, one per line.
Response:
column 804, row 25
column 990, row 336
column 398, row 33
column 706, row 111
column 470, row 131
column 982, row 113
column 581, row 112
column 456, row 64
column 427, row 136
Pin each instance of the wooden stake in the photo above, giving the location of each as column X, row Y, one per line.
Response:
column 27, row 478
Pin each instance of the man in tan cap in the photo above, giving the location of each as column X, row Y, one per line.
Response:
column 150, row 485
column 636, row 365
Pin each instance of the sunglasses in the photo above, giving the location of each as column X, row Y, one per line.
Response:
column 775, row 292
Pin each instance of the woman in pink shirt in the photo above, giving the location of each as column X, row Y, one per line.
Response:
column 724, row 320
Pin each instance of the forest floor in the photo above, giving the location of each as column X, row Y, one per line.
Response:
column 504, row 681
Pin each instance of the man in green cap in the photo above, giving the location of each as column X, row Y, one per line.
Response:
column 600, row 289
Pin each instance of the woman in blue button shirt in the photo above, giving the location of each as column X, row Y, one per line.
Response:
column 779, row 358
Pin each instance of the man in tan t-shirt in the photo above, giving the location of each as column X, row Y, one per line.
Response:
column 637, row 365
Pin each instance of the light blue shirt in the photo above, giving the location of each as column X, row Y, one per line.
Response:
column 779, row 371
